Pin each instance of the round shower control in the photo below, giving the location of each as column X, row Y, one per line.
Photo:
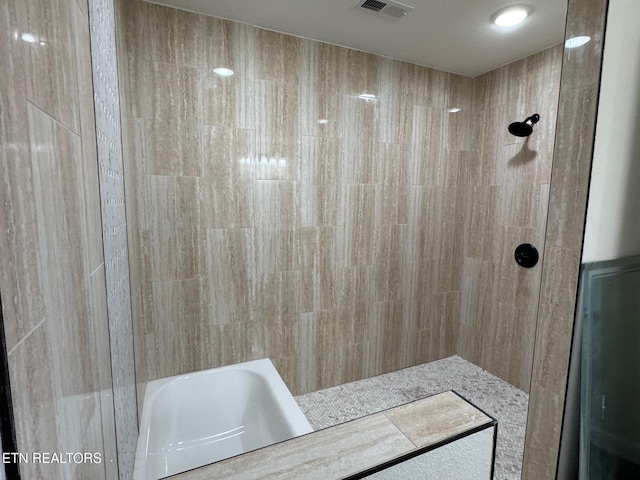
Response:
column 526, row 255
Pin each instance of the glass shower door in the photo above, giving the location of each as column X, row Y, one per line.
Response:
column 610, row 383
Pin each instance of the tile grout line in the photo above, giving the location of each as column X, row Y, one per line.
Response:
column 26, row 336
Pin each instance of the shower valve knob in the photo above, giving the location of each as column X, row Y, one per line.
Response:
column 526, row 255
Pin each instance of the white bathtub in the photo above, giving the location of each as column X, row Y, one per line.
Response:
column 192, row 420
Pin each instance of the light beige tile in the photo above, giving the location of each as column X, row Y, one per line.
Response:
column 389, row 331
column 176, row 36
column 483, row 223
column 163, row 216
column 234, row 343
column 33, row 399
column 323, row 84
column 276, row 204
column 424, row 228
column 172, row 112
column 180, row 318
column 445, row 325
column 395, row 98
column 477, row 292
column 543, row 434
column 430, row 87
column 290, row 369
column 581, row 66
column 362, row 73
column 278, row 57
column 320, row 205
column 135, row 171
column 91, row 201
column 277, row 132
column 190, row 230
column 277, row 297
column 62, row 268
column 320, row 161
column 232, row 275
column 420, row 281
column 277, row 250
column 436, row 418
column 390, row 263
column 314, row 456
column 356, row 226
column 229, row 101
column 227, row 187
column 23, row 298
column 51, row 59
column 570, row 177
column 391, row 190
column 84, row 9
column 555, row 319
column 425, row 164
column 449, row 268
column 515, row 337
column 318, row 272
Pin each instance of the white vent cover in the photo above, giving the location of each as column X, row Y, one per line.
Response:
column 387, row 7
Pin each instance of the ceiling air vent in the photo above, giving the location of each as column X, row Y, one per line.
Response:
column 388, row 8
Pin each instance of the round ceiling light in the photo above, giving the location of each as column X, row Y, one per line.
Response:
column 511, row 16
column 223, row 72
column 576, row 42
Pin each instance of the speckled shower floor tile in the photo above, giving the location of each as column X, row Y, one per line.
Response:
column 498, row 398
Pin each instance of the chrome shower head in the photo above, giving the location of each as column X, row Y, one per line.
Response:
column 524, row 129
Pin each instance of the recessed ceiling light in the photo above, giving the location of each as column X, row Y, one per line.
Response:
column 367, row 96
column 576, row 42
column 223, row 72
column 453, row 110
column 511, row 16
column 322, row 121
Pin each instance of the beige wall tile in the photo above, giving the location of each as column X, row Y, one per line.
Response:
column 33, row 398
column 277, row 132
column 320, row 161
column 278, row 57
column 163, row 216
column 582, row 65
column 228, row 184
column 51, row 60
column 567, row 206
column 176, row 36
column 543, row 434
column 231, row 273
column 91, row 195
column 570, row 177
column 396, row 97
column 318, row 269
column 362, row 76
column 323, row 86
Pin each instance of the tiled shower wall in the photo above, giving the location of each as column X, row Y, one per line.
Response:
column 333, row 248
column 505, row 184
column 380, row 239
column 53, row 272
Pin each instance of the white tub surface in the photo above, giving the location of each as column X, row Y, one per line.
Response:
column 192, row 420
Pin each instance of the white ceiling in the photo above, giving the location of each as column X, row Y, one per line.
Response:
column 452, row 35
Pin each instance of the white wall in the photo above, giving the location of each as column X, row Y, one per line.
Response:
column 613, row 216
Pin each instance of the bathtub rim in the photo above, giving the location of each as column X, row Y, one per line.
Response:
column 264, row 368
